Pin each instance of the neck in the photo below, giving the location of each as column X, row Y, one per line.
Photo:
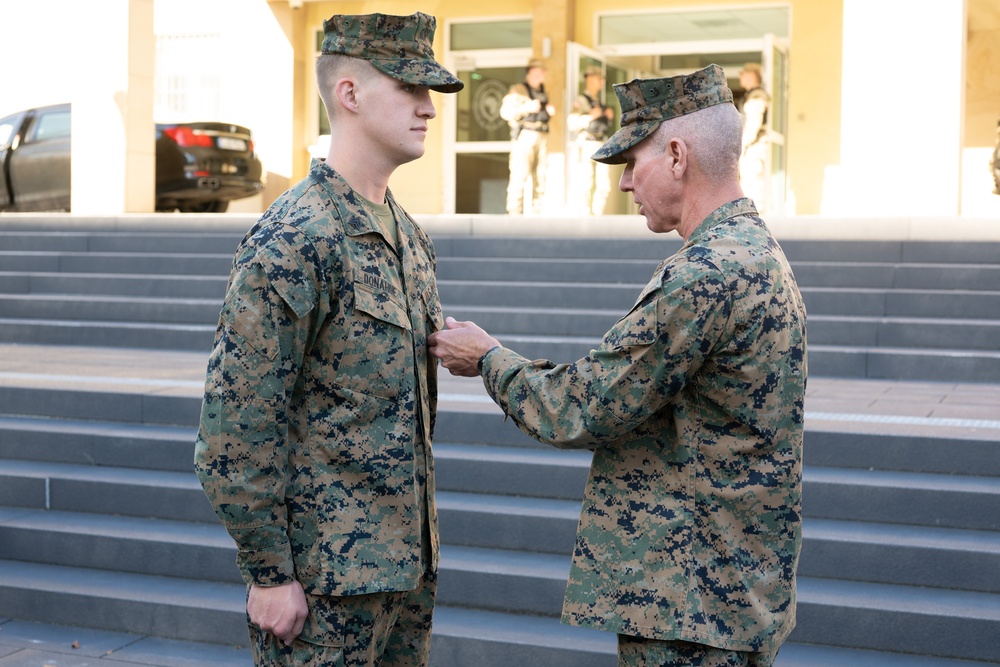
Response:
column 359, row 166
column 703, row 203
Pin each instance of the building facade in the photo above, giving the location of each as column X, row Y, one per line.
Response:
column 877, row 109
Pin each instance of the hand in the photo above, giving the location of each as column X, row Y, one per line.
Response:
column 549, row 109
column 461, row 346
column 279, row 610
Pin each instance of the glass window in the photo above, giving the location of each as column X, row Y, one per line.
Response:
column 51, row 125
column 693, row 26
column 479, row 103
column 491, row 35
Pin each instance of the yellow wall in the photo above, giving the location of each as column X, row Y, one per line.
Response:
column 982, row 85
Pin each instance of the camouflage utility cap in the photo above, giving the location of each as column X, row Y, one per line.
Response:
column 648, row 102
column 399, row 46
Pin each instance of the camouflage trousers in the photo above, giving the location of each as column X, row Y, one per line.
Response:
column 641, row 652
column 377, row 630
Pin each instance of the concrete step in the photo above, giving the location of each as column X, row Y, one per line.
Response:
column 159, row 262
column 872, row 302
column 153, row 336
column 901, row 619
column 514, row 581
column 869, row 616
column 901, row 452
column 104, row 308
column 858, row 550
column 213, row 612
column 905, row 332
column 901, row 498
column 115, row 542
column 88, row 404
column 541, row 473
column 168, row 607
column 37, row 644
column 98, row 443
column 106, row 240
column 104, row 489
column 134, row 284
column 510, row 523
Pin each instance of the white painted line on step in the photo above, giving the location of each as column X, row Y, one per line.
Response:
column 96, row 379
column 897, row 419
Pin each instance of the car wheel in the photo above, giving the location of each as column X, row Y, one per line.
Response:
column 212, row 206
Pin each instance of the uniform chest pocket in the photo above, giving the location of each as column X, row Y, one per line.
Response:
column 378, row 354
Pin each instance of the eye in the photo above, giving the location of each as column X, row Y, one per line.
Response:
column 409, row 88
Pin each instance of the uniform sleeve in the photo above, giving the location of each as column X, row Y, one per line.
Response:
column 643, row 362
column 242, row 450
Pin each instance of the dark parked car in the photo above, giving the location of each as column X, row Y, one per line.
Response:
column 200, row 167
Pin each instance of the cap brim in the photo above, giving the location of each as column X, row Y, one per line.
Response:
column 622, row 140
column 421, row 73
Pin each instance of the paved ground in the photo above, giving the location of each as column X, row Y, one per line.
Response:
column 869, row 406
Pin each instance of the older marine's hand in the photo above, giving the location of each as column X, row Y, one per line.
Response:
column 460, row 346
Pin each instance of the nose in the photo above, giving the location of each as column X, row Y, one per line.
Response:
column 625, row 182
column 426, row 107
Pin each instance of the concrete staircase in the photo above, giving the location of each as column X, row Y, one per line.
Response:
column 877, row 309
column 103, row 523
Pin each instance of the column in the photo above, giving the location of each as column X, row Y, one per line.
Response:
column 113, row 58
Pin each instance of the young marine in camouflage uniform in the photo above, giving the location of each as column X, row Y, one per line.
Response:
column 315, row 437
column 690, row 530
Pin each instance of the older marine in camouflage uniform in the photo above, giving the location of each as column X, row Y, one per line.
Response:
column 690, row 529
column 316, row 427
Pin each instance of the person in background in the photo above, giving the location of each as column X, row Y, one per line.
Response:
column 314, row 444
column 753, row 161
column 693, row 404
column 527, row 110
column 589, row 122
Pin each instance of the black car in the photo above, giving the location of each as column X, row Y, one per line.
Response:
column 200, row 167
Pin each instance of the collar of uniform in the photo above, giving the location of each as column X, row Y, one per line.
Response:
column 742, row 206
column 354, row 214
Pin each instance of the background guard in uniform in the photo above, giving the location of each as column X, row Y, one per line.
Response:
column 527, row 110
column 589, row 122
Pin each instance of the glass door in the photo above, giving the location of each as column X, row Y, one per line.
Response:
column 578, row 59
column 774, row 76
column 489, row 56
column 481, row 139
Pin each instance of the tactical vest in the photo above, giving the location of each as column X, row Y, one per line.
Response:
column 538, row 121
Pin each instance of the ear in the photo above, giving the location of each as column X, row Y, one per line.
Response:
column 345, row 92
column 676, row 156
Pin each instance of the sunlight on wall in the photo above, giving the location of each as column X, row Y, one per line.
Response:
column 902, row 110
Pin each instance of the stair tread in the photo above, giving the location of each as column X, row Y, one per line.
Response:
column 896, row 597
column 925, row 537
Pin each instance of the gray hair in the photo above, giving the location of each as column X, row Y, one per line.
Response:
column 714, row 137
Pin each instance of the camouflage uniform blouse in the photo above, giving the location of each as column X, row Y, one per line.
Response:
column 319, row 400
column 693, row 404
